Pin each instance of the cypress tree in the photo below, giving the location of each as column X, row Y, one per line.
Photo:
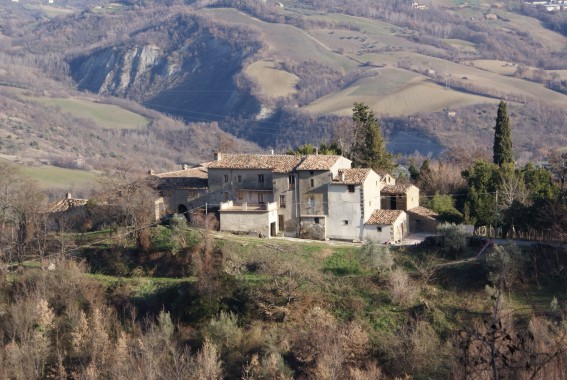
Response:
column 502, row 150
column 370, row 149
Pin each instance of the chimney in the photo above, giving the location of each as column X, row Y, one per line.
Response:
column 218, row 156
column 316, row 151
column 342, row 174
column 185, row 166
column 68, row 196
column 151, row 172
column 272, row 151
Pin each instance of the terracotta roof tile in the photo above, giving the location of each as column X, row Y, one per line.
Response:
column 384, row 217
column 396, row 189
column 423, row 211
column 192, row 178
column 318, row 162
column 278, row 163
column 352, row 176
column 66, row 204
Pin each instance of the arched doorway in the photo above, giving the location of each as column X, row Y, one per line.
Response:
column 183, row 210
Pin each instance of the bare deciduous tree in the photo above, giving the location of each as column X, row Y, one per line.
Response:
column 130, row 201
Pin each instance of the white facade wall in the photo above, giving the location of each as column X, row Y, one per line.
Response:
column 349, row 210
column 235, row 220
column 371, row 232
column 342, row 163
column 395, row 232
column 344, row 221
column 371, row 195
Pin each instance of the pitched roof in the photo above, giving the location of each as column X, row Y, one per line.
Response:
column 396, row 189
column 66, row 204
column 352, row 176
column 318, row 162
column 192, row 178
column 384, row 217
column 278, row 163
column 423, row 211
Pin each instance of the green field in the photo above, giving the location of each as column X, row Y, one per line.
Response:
column 55, row 178
column 105, row 115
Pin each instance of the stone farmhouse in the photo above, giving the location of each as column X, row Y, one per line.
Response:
column 315, row 197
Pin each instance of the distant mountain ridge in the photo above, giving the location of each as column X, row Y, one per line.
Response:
column 194, row 67
column 284, row 76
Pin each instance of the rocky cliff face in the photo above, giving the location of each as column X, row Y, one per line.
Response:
column 191, row 72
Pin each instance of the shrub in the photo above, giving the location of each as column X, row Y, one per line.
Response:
column 454, row 236
column 376, row 256
column 402, row 289
column 224, row 332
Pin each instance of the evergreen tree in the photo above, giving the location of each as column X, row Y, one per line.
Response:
column 502, row 137
column 482, row 180
column 324, row 149
column 414, row 173
column 370, row 150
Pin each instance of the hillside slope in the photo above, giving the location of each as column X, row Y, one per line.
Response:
column 283, row 76
column 181, row 65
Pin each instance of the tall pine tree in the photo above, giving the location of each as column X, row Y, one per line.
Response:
column 502, row 150
column 370, row 150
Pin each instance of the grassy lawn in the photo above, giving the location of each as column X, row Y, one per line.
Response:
column 105, row 115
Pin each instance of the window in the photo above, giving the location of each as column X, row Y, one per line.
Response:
column 282, row 200
column 316, row 220
column 312, row 181
column 311, row 202
column 260, row 197
column 226, row 195
column 345, row 222
column 240, row 195
column 291, row 181
column 351, row 188
column 310, row 172
column 379, row 229
column 239, row 179
column 261, row 178
column 225, row 178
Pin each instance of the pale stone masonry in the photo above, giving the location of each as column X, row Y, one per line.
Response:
column 314, row 196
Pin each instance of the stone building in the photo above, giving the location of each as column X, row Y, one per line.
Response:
column 313, row 196
column 387, row 226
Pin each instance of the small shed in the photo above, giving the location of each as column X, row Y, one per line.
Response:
column 245, row 217
column 387, row 225
column 423, row 220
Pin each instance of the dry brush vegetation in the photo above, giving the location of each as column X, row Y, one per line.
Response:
column 191, row 303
